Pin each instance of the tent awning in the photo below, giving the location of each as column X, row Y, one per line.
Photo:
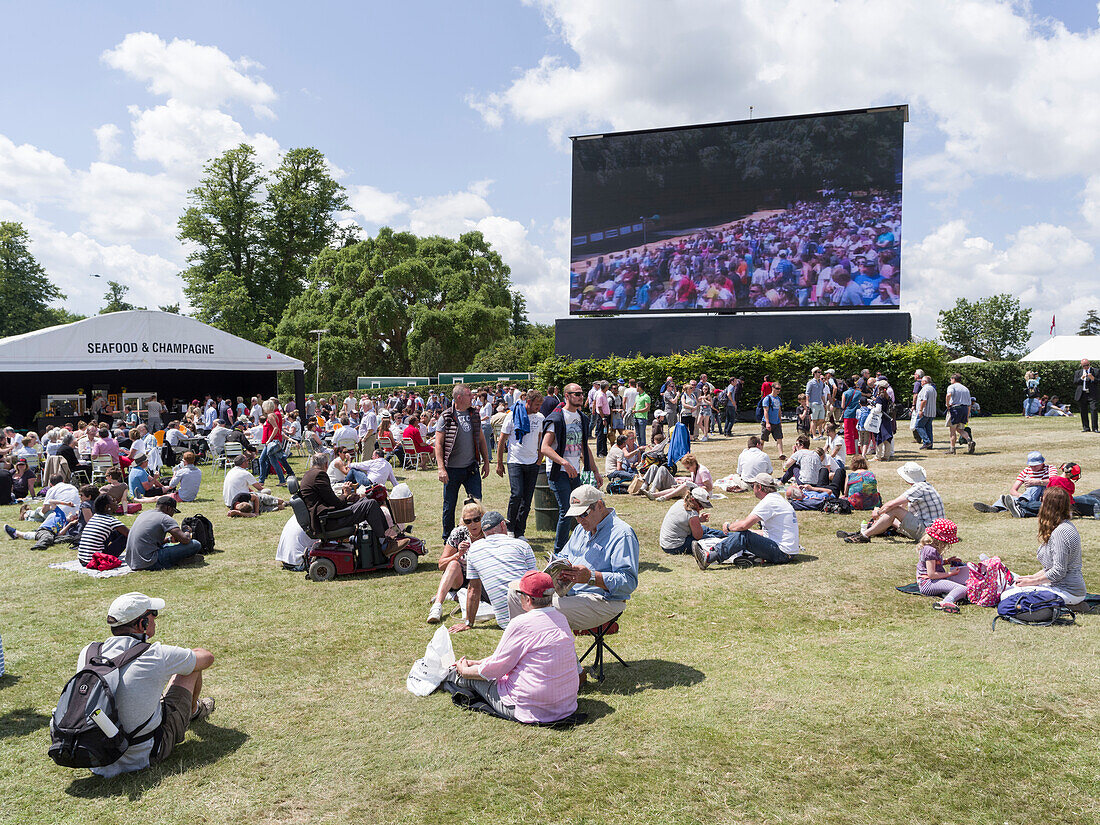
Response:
column 137, row 340
column 967, row 359
column 1066, row 348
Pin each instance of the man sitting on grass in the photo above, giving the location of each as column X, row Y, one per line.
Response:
column 146, row 545
column 533, row 675
column 1028, row 487
column 142, row 485
column 908, row 515
column 776, row 546
column 186, row 479
column 494, row 562
column 155, row 719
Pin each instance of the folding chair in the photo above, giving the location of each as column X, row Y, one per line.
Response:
column 600, row 644
column 233, row 451
column 101, row 464
column 410, row 460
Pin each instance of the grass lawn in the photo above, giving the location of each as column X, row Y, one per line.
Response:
column 808, row 693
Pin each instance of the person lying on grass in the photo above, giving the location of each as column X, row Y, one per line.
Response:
column 533, row 675
column 908, row 515
column 937, row 576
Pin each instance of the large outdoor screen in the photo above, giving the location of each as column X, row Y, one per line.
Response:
column 780, row 214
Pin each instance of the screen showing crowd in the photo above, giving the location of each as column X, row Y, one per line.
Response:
column 785, row 214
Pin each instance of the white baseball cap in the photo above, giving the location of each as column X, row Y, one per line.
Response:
column 130, row 606
column 764, row 480
column 582, row 498
column 701, row 495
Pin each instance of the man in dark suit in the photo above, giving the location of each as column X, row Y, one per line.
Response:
column 346, row 509
column 1086, row 393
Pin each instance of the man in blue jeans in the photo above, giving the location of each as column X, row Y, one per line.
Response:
column 780, row 539
column 146, row 547
column 565, row 447
column 459, row 442
column 926, row 412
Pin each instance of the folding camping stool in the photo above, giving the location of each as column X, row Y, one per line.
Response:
column 599, row 644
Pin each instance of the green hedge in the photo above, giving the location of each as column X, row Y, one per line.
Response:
column 789, row 366
column 999, row 385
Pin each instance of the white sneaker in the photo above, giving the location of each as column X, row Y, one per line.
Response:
column 435, row 615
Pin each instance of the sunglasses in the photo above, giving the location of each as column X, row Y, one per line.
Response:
column 471, row 520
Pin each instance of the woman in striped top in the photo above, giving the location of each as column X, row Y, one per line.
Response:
column 1059, row 552
column 103, row 533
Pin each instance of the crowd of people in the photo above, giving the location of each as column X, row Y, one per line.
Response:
column 838, row 252
column 488, row 568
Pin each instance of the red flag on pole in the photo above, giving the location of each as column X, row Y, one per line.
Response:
column 1051, row 324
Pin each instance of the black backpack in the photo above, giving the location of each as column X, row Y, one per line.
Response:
column 76, row 741
column 201, row 530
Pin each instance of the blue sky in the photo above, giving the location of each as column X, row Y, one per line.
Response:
column 441, row 117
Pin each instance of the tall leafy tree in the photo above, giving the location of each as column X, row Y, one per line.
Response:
column 27, row 296
column 1091, row 324
column 302, row 199
column 993, row 328
column 224, row 222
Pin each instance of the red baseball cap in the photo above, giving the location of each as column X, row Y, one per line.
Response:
column 536, row 584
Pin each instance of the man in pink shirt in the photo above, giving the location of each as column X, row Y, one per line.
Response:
column 533, row 676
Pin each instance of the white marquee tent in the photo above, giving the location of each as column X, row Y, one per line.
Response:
column 1066, row 348
column 142, row 350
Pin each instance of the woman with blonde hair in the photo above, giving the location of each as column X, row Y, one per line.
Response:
column 681, row 485
column 453, row 561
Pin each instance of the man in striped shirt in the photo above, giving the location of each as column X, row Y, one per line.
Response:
column 1028, row 487
column 493, row 563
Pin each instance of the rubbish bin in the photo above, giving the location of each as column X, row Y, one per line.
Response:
column 545, row 504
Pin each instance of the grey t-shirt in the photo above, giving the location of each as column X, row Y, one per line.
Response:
column 928, row 394
column 146, row 538
column 676, row 526
column 140, row 685
column 462, row 453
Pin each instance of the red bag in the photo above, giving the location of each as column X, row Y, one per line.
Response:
column 987, row 581
column 104, row 561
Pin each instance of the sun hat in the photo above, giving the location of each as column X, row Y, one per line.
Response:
column 1035, row 457
column 1071, row 470
column 536, row 584
column 912, row 472
column 582, row 498
column 701, row 495
column 130, row 606
column 943, row 529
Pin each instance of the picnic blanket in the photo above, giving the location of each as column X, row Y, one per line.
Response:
column 75, row 567
column 1092, row 599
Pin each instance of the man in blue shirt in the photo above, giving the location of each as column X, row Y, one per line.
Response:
column 603, row 555
column 851, row 403
column 815, row 394
column 772, row 425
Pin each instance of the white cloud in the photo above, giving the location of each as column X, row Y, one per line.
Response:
column 191, row 73
column 375, row 206
column 107, row 137
column 182, row 137
column 29, row 173
column 1035, row 265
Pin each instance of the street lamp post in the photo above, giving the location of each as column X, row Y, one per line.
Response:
column 317, row 370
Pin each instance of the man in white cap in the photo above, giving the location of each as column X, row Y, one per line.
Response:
column 603, row 555
column 909, row 514
column 155, row 719
column 780, row 539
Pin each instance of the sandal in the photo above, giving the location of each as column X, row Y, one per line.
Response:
column 947, row 607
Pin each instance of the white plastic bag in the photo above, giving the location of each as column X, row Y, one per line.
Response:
column 874, row 420
column 427, row 673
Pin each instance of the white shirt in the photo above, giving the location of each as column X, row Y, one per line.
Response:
column 237, row 480
column 630, row 397
column 809, row 466
column 345, row 437
column 293, row 543
column 780, row 521
column 65, row 496
column 368, row 424
column 841, row 456
column 957, row 395
column 752, row 462
column 526, row 451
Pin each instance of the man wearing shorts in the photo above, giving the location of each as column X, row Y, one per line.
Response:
column 816, row 390
column 908, row 514
column 958, row 403
column 155, row 719
column 772, row 425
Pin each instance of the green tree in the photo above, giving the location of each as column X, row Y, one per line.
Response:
column 302, row 199
column 994, row 328
column 224, row 222
column 513, row 354
column 173, row 308
column 1091, row 324
column 116, row 299
column 27, row 292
